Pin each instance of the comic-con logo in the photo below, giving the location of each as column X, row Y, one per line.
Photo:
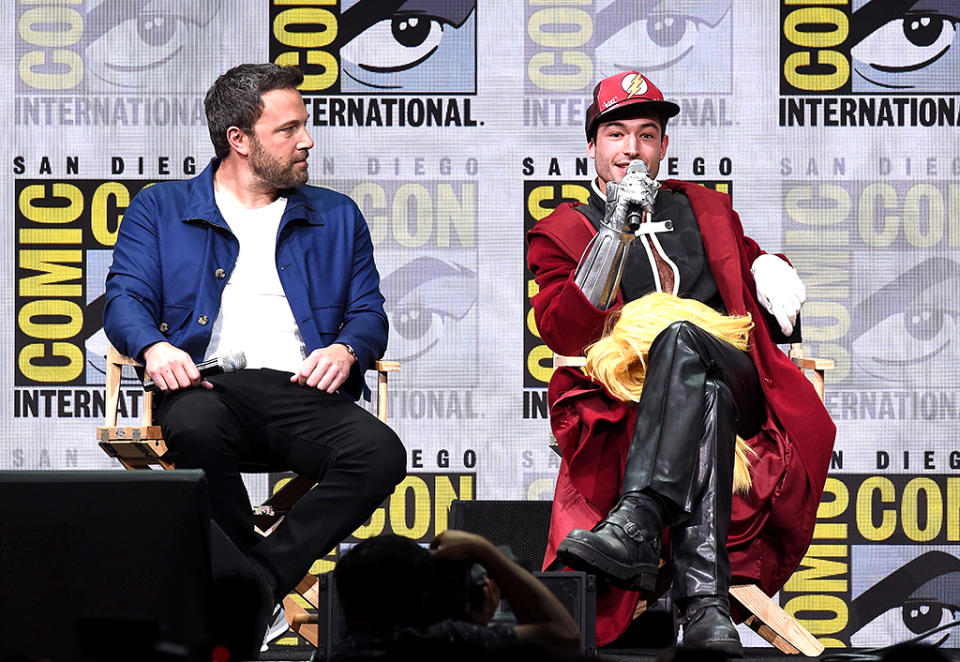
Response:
column 424, row 234
column 112, row 46
column 879, row 261
column 873, row 47
column 569, row 48
column 65, row 232
column 896, row 51
column 385, row 51
column 377, row 47
column 883, row 565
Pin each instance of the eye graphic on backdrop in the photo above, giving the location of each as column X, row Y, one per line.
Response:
column 128, row 44
column 411, row 46
column 424, row 299
column 921, row 595
column 653, row 36
column 395, row 44
column 907, row 331
column 906, row 45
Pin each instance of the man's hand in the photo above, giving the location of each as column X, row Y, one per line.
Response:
column 635, row 190
column 171, row 368
column 326, row 368
column 779, row 290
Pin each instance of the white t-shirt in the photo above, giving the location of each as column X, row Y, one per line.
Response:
column 254, row 314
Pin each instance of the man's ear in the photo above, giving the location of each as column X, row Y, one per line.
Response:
column 239, row 141
column 592, row 148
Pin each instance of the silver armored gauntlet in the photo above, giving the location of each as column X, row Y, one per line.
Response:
column 601, row 266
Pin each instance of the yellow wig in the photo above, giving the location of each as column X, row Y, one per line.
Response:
column 618, row 359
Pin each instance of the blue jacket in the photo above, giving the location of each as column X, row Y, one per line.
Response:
column 175, row 252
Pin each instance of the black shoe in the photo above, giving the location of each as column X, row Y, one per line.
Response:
column 624, row 548
column 707, row 626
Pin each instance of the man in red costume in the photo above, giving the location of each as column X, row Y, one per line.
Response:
column 630, row 471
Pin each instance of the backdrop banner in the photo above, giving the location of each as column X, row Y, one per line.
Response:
column 833, row 124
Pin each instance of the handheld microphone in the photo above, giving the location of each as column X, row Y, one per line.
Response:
column 232, row 362
column 635, row 216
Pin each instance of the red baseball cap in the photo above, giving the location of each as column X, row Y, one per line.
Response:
column 614, row 94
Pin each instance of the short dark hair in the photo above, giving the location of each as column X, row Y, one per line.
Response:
column 234, row 99
column 627, row 113
column 384, row 582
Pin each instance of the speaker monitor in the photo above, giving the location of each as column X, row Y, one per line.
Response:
column 103, row 564
column 522, row 526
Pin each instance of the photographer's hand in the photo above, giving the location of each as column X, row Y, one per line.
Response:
column 541, row 616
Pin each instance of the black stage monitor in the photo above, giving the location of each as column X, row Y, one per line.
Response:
column 102, row 565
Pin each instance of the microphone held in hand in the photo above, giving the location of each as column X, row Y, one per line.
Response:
column 232, row 362
column 635, row 215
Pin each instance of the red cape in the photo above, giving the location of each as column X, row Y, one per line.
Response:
column 772, row 526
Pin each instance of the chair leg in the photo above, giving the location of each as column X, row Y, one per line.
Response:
column 299, row 618
column 774, row 624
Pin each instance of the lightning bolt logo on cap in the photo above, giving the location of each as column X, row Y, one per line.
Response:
column 634, row 84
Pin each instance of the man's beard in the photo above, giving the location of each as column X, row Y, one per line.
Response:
column 272, row 172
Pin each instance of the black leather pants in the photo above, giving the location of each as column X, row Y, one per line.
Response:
column 700, row 392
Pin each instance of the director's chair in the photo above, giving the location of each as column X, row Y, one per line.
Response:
column 142, row 447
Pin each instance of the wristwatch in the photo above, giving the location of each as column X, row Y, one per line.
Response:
column 349, row 349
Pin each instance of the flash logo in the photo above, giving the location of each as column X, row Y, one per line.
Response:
column 634, row 85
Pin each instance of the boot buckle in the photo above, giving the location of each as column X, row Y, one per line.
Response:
column 633, row 530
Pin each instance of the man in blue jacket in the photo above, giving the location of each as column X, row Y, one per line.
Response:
column 247, row 257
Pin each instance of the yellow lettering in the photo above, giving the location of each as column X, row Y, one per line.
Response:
column 54, row 275
column 910, row 509
column 47, row 308
column 399, row 513
column 558, row 17
column 540, row 363
column 108, row 197
column 459, row 212
column 71, row 369
column 816, row 82
column 865, row 496
column 814, row 572
column 418, row 197
column 301, row 38
column 444, row 495
column 815, row 17
column 51, row 212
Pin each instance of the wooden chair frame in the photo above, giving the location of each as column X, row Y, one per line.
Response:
column 766, row 617
column 142, row 447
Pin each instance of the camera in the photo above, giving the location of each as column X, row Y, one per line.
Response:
column 457, row 589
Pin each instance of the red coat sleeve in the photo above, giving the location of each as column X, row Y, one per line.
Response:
column 567, row 322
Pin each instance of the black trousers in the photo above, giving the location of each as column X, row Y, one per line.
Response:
column 664, row 453
column 258, row 416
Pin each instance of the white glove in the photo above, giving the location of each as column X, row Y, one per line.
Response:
column 779, row 290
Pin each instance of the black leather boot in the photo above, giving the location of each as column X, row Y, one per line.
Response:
column 707, row 625
column 624, row 548
column 701, row 564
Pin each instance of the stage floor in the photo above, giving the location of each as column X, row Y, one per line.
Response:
column 750, row 655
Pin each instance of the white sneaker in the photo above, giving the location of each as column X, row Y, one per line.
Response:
column 278, row 625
